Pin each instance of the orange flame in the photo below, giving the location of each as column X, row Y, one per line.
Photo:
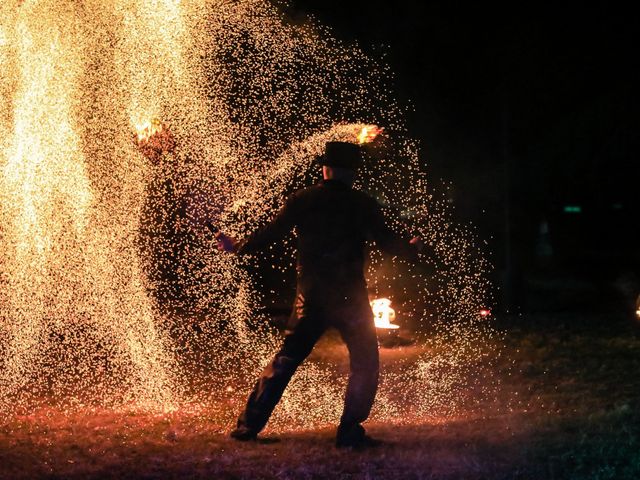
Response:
column 148, row 129
column 369, row 133
column 383, row 314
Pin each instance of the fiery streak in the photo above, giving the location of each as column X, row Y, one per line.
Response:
column 148, row 129
column 369, row 133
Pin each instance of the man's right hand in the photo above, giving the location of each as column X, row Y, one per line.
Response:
column 225, row 242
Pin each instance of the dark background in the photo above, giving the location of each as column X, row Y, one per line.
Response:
column 529, row 112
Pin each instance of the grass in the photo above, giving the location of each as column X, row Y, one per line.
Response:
column 568, row 408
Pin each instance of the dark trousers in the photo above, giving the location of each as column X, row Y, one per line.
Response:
column 358, row 332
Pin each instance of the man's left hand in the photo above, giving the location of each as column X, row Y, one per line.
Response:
column 417, row 243
column 225, row 242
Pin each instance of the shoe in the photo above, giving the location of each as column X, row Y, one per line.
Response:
column 358, row 444
column 354, row 436
column 243, row 434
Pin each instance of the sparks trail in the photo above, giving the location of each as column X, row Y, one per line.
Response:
column 91, row 315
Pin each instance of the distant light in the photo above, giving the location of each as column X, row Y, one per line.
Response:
column 485, row 312
column 638, row 313
column 572, row 209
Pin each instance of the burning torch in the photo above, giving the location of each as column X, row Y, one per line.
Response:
column 153, row 138
column 368, row 134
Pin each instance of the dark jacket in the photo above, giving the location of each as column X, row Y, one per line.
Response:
column 333, row 222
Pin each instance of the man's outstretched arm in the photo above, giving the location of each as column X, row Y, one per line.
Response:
column 277, row 229
column 388, row 240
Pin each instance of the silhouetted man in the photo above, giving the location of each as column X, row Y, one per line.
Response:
column 163, row 244
column 333, row 223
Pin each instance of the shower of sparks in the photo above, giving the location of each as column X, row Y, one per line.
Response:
column 112, row 290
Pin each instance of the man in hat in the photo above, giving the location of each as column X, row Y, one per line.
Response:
column 333, row 223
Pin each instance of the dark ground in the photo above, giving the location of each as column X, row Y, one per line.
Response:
column 569, row 409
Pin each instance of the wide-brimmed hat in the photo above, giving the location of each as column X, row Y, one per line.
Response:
column 341, row 154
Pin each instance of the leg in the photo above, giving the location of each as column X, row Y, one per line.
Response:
column 362, row 342
column 269, row 388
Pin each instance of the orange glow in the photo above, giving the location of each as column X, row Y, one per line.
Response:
column 485, row 312
column 383, row 314
column 369, row 133
column 148, row 129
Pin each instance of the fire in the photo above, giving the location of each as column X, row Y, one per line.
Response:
column 485, row 312
column 369, row 133
column 148, row 129
column 383, row 314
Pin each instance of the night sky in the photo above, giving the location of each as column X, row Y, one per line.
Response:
column 544, row 93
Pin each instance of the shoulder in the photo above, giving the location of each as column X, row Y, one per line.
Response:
column 305, row 194
column 301, row 195
column 296, row 201
column 366, row 200
column 306, row 191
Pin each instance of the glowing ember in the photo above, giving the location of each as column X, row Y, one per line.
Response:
column 485, row 312
column 369, row 133
column 383, row 314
